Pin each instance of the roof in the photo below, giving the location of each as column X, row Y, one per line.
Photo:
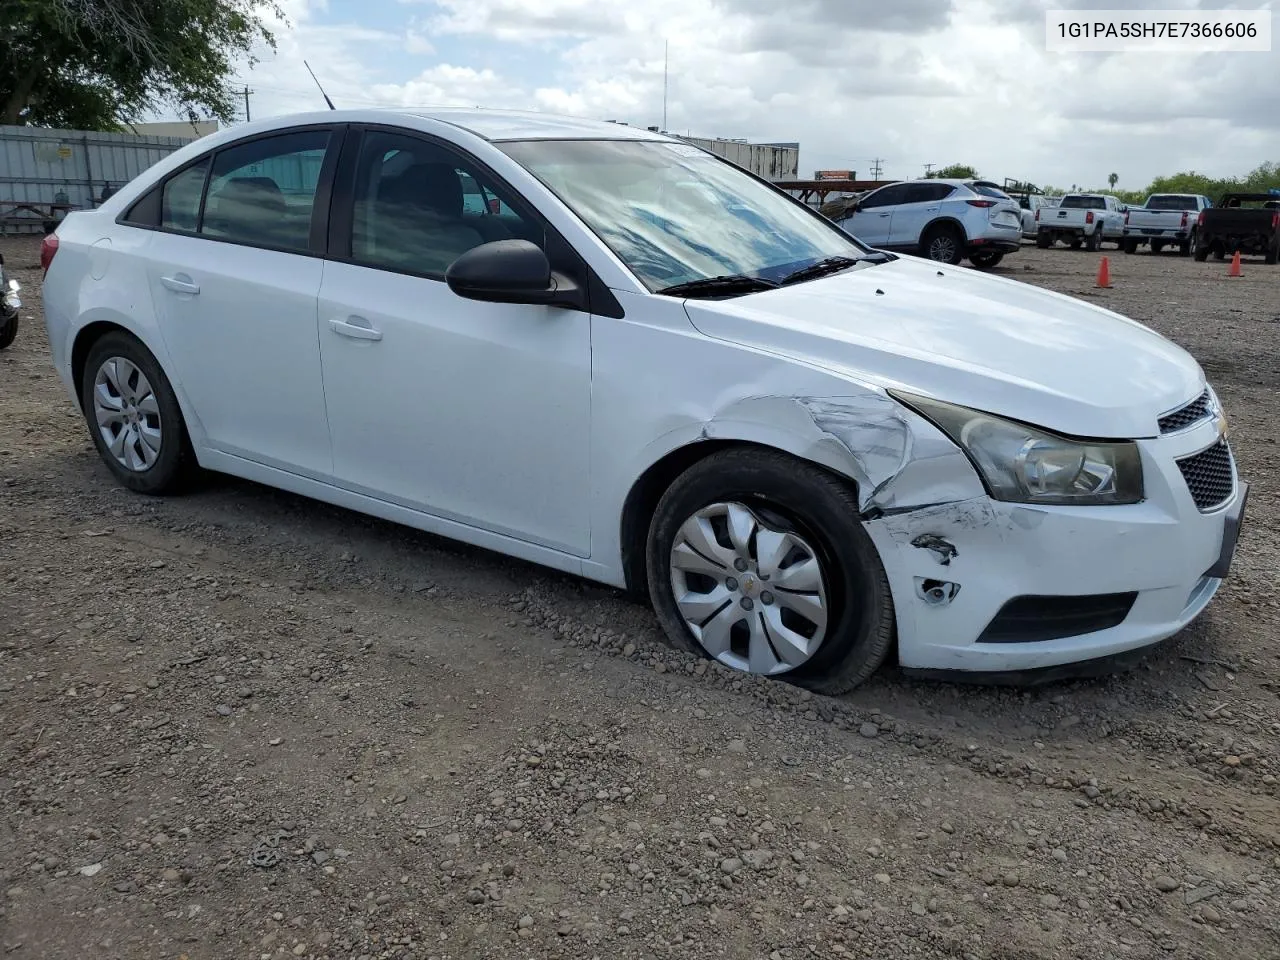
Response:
column 528, row 125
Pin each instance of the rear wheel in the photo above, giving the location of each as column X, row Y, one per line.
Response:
column 758, row 560
column 986, row 260
column 1273, row 252
column 1093, row 241
column 1044, row 240
column 1188, row 247
column 8, row 331
column 134, row 416
column 1201, row 252
column 943, row 242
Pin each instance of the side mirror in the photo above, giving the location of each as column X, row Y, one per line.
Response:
column 512, row 271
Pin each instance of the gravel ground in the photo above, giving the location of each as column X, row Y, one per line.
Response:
column 241, row 724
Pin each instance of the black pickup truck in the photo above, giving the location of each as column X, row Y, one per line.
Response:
column 1244, row 222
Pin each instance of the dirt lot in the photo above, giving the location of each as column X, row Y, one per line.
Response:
column 434, row 752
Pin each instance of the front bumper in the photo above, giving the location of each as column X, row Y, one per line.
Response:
column 1164, row 554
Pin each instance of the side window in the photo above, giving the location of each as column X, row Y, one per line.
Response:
column 928, row 192
column 884, row 197
column 263, row 192
column 418, row 207
column 180, row 198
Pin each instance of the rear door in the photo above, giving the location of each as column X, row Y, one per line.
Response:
column 871, row 222
column 234, row 272
column 920, row 205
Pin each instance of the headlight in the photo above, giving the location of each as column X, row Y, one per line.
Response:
column 1023, row 464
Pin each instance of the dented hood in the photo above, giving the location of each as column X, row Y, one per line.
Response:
column 982, row 341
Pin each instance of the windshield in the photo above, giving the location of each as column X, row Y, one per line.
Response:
column 1171, row 201
column 674, row 214
column 1083, row 203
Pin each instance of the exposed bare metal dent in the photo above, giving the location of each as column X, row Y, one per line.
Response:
column 899, row 460
column 943, row 549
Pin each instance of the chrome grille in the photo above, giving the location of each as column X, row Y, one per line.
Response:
column 1193, row 412
column 1209, row 475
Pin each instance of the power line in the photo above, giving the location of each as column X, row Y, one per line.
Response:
column 875, row 168
column 928, row 167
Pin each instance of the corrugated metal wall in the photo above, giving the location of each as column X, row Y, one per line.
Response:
column 43, row 165
column 773, row 161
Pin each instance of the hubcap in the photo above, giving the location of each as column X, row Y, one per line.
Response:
column 128, row 414
column 942, row 248
column 753, row 595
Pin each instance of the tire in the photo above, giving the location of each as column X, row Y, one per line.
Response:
column 1044, row 240
column 790, row 498
column 1219, row 252
column 1129, row 246
column 942, row 242
column 174, row 463
column 1157, row 246
column 1074, row 243
column 8, row 331
column 1094, row 241
column 985, row 261
column 1201, row 252
column 1270, row 257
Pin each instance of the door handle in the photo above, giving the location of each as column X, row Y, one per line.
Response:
column 181, row 284
column 889, row 214
column 357, row 328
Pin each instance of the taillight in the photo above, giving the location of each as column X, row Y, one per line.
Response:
column 1200, row 219
column 1126, row 218
column 981, row 203
column 48, row 247
column 1037, row 215
column 1275, row 221
column 1088, row 217
column 1184, row 218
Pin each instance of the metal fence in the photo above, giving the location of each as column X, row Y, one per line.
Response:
column 43, row 167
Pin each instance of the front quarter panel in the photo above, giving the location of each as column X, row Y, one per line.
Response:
column 659, row 385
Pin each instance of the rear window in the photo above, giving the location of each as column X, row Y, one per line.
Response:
column 989, row 190
column 1171, row 202
column 1083, row 203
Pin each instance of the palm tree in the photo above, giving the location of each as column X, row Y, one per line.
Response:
column 1112, row 178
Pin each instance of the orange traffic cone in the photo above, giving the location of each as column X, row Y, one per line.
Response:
column 1104, row 273
column 1234, row 269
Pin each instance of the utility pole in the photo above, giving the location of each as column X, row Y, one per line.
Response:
column 927, row 168
column 247, row 91
column 875, row 168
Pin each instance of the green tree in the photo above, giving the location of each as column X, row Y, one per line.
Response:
column 954, row 171
column 1112, row 180
column 97, row 64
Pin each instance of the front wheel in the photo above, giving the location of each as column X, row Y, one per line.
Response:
column 1129, row 246
column 8, row 331
column 986, row 260
column 1157, row 246
column 134, row 416
column 758, row 560
column 1044, row 240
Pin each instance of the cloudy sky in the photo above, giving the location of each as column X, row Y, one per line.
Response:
column 908, row 81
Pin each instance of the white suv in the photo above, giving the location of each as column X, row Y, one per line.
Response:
column 944, row 220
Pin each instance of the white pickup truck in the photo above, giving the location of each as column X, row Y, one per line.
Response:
column 1088, row 218
column 1164, row 220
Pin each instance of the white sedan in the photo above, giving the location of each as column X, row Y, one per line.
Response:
column 633, row 361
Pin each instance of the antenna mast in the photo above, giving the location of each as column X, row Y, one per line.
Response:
column 666, row 52
column 322, row 93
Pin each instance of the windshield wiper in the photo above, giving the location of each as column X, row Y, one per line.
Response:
column 730, row 283
column 832, row 265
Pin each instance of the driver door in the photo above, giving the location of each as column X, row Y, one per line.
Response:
column 872, row 219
